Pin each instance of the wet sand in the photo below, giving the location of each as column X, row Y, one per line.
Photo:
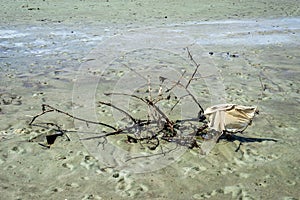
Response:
column 57, row 53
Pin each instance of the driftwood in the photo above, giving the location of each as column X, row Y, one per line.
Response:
column 206, row 127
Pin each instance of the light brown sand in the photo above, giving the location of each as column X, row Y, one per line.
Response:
column 45, row 45
column 133, row 13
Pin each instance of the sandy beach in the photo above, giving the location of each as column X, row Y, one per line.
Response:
column 67, row 54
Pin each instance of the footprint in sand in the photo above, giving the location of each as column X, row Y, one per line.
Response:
column 251, row 157
column 88, row 162
column 73, row 185
column 124, row 183
column 17, row 150
column 10, row 99
column 126, row 186
column 236, row 191
column 91, row 196
column 192, row 172
column 68, row 166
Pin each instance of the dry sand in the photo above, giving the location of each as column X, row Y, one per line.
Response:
column 54, row 52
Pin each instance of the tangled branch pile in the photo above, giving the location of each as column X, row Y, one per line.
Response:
column 158, row 127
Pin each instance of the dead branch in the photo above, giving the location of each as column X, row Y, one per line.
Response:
column 119, row 109
column 196, row 67
column 151, row 131
column 176, row 83
column 148, row 102
column 52, row 109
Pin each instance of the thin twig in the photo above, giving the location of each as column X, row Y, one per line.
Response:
column 119, row 109
column 133, row 70
column 176, row 83
column 193, row 97
column 38, row 115
column 148, row 102
column 196, row 69
column 52, row 109
column 125, row 130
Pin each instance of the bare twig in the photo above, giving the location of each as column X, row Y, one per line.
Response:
column 119, row 109
column 44, row 111
column 52, row 109
column 196, row 69
column 176, row 83
column 125, row 130
column 133, row 70
column 148, row 102
column 193, row 97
